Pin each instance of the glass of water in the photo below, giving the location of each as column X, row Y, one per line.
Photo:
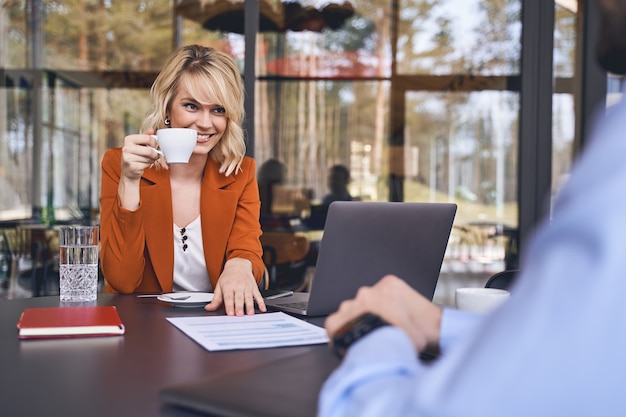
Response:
column 78, row 263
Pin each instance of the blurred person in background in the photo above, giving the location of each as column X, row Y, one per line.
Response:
column 271, row 174
column 338, row 180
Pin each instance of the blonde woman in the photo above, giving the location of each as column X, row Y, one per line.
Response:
column 188, row 226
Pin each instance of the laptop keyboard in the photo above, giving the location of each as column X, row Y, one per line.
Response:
column 300, row 305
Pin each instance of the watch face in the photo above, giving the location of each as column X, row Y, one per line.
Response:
column 354, row 330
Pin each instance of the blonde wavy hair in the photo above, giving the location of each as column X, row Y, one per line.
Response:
column 201, row 68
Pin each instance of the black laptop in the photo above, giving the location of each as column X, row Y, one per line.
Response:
column 364, row 241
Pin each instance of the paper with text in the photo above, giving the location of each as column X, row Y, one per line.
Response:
column 249, row 332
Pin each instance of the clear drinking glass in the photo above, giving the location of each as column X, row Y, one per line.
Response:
column 78, row 263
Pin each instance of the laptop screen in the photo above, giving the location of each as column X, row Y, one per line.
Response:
column 364, row 241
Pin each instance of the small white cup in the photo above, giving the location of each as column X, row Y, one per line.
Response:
column 480, row 300
column 177, row 143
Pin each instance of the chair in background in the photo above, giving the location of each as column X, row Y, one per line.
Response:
column 287, row 257
column 45, row 272
column 36, row 270
column 502, row 280
column 28, row 267
column 6, row 261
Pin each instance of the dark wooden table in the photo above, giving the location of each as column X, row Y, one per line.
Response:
column 112, row 376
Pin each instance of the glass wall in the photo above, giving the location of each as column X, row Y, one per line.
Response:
column 462, row 147
column 312, row 125
column 323, row 99
column 563, row 112
column 431, row 40
column 419, row 99
column 16, row 158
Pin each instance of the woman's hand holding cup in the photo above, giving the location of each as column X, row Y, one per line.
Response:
column 138, row 153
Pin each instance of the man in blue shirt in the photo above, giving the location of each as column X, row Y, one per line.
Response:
column 556, row 348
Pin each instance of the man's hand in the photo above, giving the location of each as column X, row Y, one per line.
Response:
column 394, row 301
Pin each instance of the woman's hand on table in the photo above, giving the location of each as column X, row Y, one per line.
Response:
column 237, row 290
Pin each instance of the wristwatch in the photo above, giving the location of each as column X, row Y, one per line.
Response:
column 354, row 330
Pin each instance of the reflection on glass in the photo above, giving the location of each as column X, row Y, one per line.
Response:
column 359, row 48
column 449, row 37
column 563, row 111
column 311, row 125
column 563, row 125
column 130, row 35
column 15, row 155
column 564, row 38
column 462, row 147
column 14, row 35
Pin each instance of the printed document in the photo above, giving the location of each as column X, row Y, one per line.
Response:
column 249, row 332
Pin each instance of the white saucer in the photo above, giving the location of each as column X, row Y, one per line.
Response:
column 196, row 299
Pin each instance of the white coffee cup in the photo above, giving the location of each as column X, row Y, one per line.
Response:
column 177, row 143
column 480, row 300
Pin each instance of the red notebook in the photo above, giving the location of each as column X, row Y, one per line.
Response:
column 69, row 322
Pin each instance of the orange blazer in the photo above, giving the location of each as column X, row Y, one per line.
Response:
column 137, row 247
